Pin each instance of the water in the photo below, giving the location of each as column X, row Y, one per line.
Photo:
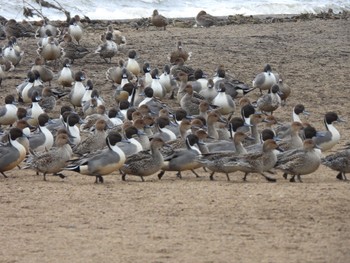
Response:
column 129, row 9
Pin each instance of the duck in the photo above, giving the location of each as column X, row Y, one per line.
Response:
column 108, row 49
column 265, row 80
column 295, row 141
column 72, row 50
column 48, row 100
column 189, row 102
column 213, row 119
column 95, row 141
column 166, row 80
column 338, row 161
column 51, row 51
column 117, row 36
column 45, row 25
column 54, row 160
column 46, row 74
column 271, row 101
column 163, row 131
column 75, row 29
column 257, row 162
column 158, row 90
column 115, row 74
column 200, row 81
column 13, row 153
column 179, row 66
column 78, row 89
column 225, row 102
column 215, row 161
column 11, row 54
column 179, row 52
column 203, row 19
column 66, row 75
column 73, row 130
column 144, row 163
column 42, row 140
column 5, row 66
column 132, row 65
column 183, row 159
column 103, row 162
column 326, row 140
column 16, row 29
column 8, row 112
column 35, row 110
column 158, row 20
column 209, row 92
column 45, row 39
column 131, row 145
column 299, row 162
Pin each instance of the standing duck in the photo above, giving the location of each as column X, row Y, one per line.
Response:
column 102, row 162
column 66, row 75
column 144, row 163
column 78, row 89
column 271, row 101
column 8, row 112
column 72, row 50
column 43, row 140
column 203, row 19
column 224, row 101
column 158, row 20
column 132, row 65
column 265, row 80
column 108, row 49
column 340, row 162
column 300, row 161
column 54, row 160
column 75, row 29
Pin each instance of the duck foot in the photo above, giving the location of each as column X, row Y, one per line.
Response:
column 269, row 179
column 285, row 176
column 292, row 180
column 178, row 175
column 160, row 175
column 62, row 176
column 193, row 171
column 340, row 176
column 245, row 177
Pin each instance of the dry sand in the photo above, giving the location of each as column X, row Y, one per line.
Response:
column 195, row 219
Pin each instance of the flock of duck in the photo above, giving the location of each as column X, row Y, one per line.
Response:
column 215, row 126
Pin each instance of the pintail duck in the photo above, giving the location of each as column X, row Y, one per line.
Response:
column 295, row 141
column 42, row 30
column 166, row 80
column 215, row 161
column 284, row 130
column 75, row 29
column 131, row 146
column 142, row 136
column 108, row 49
column 265, row 80
column 8, row 112
column 43, row 140
column 115, row 74
column 285, row 91
column 43, row 41
column 46, row 73
column 144, row 163
column 73, row 130
column 225, row 102
column 132, row 65
column 299, row 161
column 78, row 89
column 71, row 50
column 13, row 153
column 48, row 99
column 95, row 141
column 16, row 29
column 117, row 36
column 339, row 161
column 183, row 159
column 205, row 20
column 213, row 118
column 179, row 66
column 209, row 92
column 179, row 52
column 12, row 54
column 66, row 75
column 190, row 103
column 163, row 132
column 35, row 110
column 158, row 20
column 258, row 162
column 102, row 162
column 51, row 51
column 200, row 81
column 54, row 160
column 158, row 90
column 5, row 66
column 327, row 139
column 271, row 101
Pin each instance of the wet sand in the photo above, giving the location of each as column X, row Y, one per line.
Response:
column 195, row 219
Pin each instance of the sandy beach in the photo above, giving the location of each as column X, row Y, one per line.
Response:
column 195, row 219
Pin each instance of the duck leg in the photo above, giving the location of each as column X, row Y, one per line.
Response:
column 211, row 176
column 178, row 175
column 160, row 175
column 228, row 177
column 292, row 179
column 195, row 173
column 245, row 177
column 299, row 178
column 285, row 176
column 4, row 175
column 60, row 175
